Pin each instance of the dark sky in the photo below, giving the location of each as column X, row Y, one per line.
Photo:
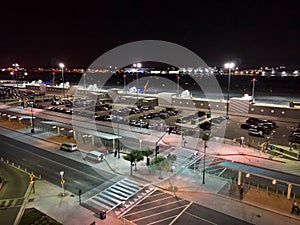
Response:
column 255, row 33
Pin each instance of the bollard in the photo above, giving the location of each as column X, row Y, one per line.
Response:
column 257, row 186
column 13, row 164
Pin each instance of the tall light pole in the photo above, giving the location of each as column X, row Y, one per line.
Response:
column 62, row 181
column 267, row 145
column 84, row 81
column 178, row 85
column 32, row 119
column 140, row 140
column 253, row 87
column 137, row 66
column 16, row 68
column 62, row 66
column 229, row 66
column 124, row 77
column 205, row 138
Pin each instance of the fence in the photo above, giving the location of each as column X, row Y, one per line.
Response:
column 20, row 167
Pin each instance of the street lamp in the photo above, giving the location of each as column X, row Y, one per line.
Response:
column 141, row 144
column 32, row 120
column 267, row 145
column 137, row 65
column 178, row 85
column 16, row 68
column 62, row 182
column 253, row 86
column 205, row 138
column 124, row 77
column 228, row 66
column 84, row 81
column 62, row 66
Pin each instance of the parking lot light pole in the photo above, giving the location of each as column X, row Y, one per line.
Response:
column 62, row 66
column 267, row 145
column 253, row 88
column 205, row 138
column 178, row 85
column 32, row 119
column 137, row 66
column 229, row 66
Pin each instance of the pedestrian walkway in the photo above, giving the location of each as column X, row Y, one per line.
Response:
column 8, row 203
column 114, row 196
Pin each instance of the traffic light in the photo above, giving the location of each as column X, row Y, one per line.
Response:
column 156, row 150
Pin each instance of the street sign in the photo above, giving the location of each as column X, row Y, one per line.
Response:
column 31, row 176
column 62, row 182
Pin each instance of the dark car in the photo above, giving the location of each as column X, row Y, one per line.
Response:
column 245, row 126
column 205, row 126
column 294, row 139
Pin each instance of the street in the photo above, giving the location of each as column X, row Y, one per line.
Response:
column 77, row 175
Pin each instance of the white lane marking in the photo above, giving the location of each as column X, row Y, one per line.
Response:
column 201, row 218
column 173, row 221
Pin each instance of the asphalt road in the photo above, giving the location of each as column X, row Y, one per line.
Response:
column 161, row 208
column 12, row 192
column 77, row 175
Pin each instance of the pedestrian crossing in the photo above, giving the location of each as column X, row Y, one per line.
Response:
column 120, row 194
column 9, row 203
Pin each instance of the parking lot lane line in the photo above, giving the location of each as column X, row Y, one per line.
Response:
column 155, row 214
column 146, row 203
column 158, row 221
column 173, row 221
column 201, row 218
column 154, row 208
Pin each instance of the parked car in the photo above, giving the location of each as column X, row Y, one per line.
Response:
column 294, row 139
column 255, row 132
column 71, row 147
column 205, row 126
column 95, row 156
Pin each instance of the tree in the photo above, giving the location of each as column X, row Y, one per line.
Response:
column 134, row 156
column 147, row 153
column 162, row 163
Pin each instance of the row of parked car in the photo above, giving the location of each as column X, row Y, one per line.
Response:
column 213, row 121
column 163, row 114
column 191, row 117
column 131, row 110
column 295, row 136
column 258, row 127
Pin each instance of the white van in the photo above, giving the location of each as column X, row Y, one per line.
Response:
column 71, row 147
column 94, row 156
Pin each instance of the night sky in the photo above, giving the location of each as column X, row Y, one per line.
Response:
column 254, row 33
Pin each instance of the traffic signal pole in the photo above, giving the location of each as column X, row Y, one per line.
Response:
column 157, row 146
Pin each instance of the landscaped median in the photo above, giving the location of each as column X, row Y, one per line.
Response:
column 33, row 216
